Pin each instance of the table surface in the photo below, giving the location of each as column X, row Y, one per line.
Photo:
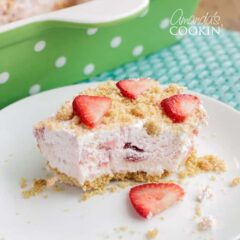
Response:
column 228, row 10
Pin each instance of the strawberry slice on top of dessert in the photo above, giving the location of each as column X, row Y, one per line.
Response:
column 91, row 109
column 133, row 129
column 132, row 89
column 180, row 106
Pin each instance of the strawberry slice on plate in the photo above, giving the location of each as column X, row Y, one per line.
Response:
column 133, row 88
column 91, row 109
column 152, row 198
column 179, row 107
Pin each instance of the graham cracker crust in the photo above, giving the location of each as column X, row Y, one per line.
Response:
column 101, row 182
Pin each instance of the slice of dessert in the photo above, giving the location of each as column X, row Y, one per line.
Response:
column 133, row 129
column 13, row 10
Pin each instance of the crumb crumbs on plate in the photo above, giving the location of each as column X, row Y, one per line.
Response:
column 112, row 188
column 205, row 193
column 237, row 162
column 106, row 237
column 125, row 184
column 206, row 223
column 195, row 165
column 57, row 188
column 23, row 182
column 235, row 182
column 51, row 182
column 213, row 178
column 38, row 187
column 121, row 229
column 198, row 211
column 86, row 195
column 132, row 232
column 151, row 234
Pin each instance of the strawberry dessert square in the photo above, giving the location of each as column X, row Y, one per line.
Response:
column 13, row 10
column 133, row 129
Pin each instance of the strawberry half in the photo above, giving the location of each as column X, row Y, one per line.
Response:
column 153, row 198
column 180, row 106
column 91, row 109
column 133, row 88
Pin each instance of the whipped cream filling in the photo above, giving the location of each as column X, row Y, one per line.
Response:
column 119, row 150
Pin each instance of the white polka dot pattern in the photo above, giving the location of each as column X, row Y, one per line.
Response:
column 34, row 89
column 89, row 69
column 60, row 62
column 40, row 46
column 116, row 41
column 144, row 13
column 91, row 31
column 4, row 77
column 137, row 51
column 165, row 23
column 210, row 65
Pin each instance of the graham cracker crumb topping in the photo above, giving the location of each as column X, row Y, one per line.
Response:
column 65, row 112
column 125, row 111
column 152, row 127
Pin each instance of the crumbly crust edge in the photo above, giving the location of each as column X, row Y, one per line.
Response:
column 102, row 181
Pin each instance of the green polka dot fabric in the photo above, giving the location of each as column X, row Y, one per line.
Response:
column 206, row 64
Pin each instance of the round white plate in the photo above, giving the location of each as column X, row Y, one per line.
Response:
column 62, row 216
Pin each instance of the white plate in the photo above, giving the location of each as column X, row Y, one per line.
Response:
column 62, row 217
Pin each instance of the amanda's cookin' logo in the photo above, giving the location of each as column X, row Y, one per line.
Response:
column 205, row 25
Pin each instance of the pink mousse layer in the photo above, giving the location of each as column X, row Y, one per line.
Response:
column 119, row 150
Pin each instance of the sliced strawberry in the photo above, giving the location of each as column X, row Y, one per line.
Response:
column 153, row 198
column 91, row 109
column 180, row 106
column 133, row 88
